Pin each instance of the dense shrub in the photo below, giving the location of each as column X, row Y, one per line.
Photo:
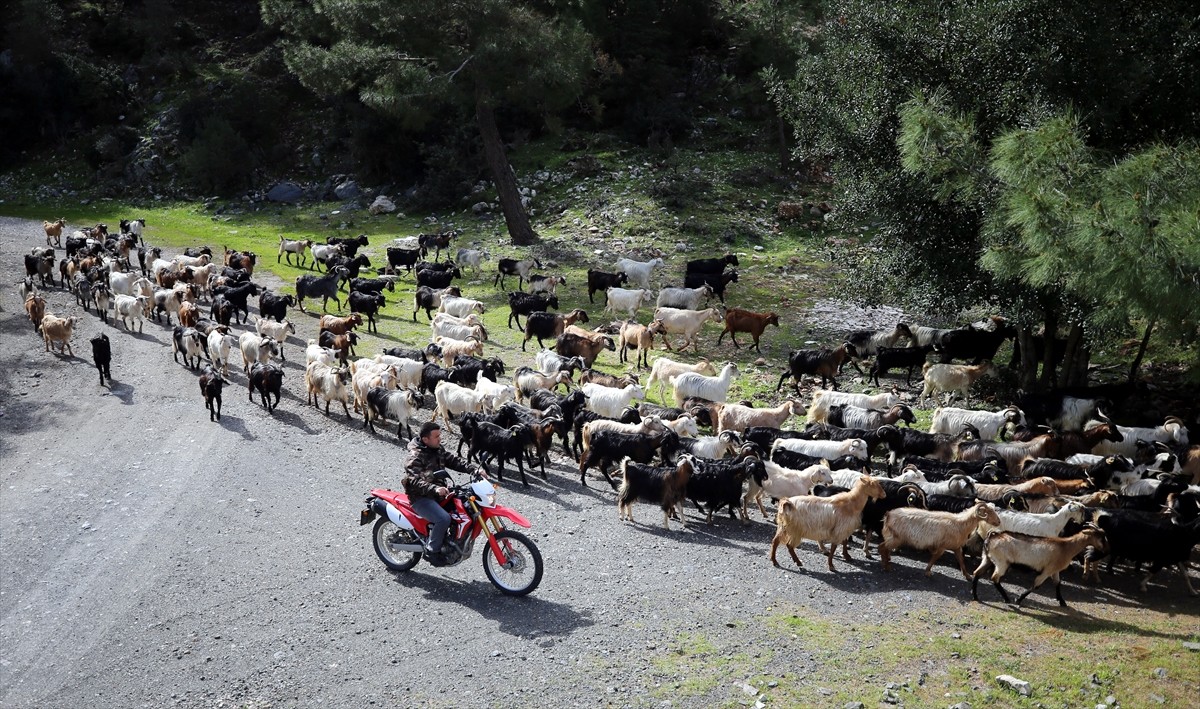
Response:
column 218, row 160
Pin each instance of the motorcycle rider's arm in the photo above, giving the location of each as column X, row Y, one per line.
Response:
column 449, row 460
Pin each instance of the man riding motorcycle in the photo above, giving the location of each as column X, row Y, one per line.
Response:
column 424, row 485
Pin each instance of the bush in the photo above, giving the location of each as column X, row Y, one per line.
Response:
column 219, row 160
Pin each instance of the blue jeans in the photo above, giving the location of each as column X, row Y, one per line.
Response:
column 431, row 511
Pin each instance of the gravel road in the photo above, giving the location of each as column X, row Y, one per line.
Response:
column 149, row 557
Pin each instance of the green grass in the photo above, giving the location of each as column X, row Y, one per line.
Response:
column 1071, row 658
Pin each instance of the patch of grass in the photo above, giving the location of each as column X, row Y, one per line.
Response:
column 1070, row 658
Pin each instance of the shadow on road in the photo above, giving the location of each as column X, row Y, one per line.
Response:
column 518, row 617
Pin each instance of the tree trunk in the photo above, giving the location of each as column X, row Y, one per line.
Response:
column 1049, row 371
column 1072, row 357
column 502, row 174
column 784, row 157
column 1137, row 361
column 1028, row 363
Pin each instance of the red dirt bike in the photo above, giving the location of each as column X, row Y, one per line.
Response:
column 511, row 560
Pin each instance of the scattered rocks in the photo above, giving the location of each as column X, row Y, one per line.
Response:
column 1019, row 686
column 285, row 192
column 382, row 205
column 348, row 189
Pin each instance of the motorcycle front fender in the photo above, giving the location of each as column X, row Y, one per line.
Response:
column 507, row 513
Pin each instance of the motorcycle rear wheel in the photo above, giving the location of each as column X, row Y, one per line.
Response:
column 523, row 572
column 387, row 533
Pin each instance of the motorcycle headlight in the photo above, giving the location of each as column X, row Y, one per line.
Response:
column 489, row 500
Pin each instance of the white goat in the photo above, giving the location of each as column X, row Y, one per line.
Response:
column 256, row 348
column 735, row 417
column 824, row 398
column 626, row 300
column 829, row 450
column 550, row 362
column 408, row 371
column 685, row 298
column 277, row 331
column 529, row 380
column 1172, row 431
column 457, row 332
column 453, row 400
column 316, row 353
column 664, row 369
column 1038, row 525
column 687, row 323
column 950, row 421
column 452, row 348
column 329, row 383
column 610, row 402
column 932, row 530
column 784, row 482
column 638, row 271
column 712, row 388
column 220, row 344
column 472, row 258
column 952, row 378
column 494, row 394
column 460, row 307
column 469, row 320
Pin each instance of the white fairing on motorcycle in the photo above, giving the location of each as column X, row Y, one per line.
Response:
column 485, row 493
column 398, row 519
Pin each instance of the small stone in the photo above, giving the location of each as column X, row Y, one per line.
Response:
column 1194, row 647
column 1017, row 685
column 1158, row 699
column 749, row 691
column 1160, row 672
column 961, row 705
column 956, row 636
column 825, row 691
column 772, row 684
column 760, row 362
column 759, row 248
column 854, row 705
column 1110, row 700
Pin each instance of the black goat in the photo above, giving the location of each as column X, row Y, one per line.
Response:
column 372, row 285
column 1099, row 474
column 368, row 304
column 520, row 303
column 823, row 362
column 432, row 373
column 664, row 486
column 889, row 358
column 908, row 441
column 436, row 242
column 471, row 367
column 211, row 383
column 628, row 415
column 765, row 436
column 353, row 266
column 221, row 310
column 431, row 353
column 325, row 287
column 491, row 442
column 969, row 343
column 267, row 380
column 427, row 299
column 716, row 281
column 238, row 295
column 719, row 484
column 601, row 281
column 991, row 469
column 102, row 356
column 1162, row 543
column 712, row 265
column 514, row 267
column 437, row 279
column 570, row 405
column 406, row 258
column 608, row 447
column 349, row 244
column 273, row 305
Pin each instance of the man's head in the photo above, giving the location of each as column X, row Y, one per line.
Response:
column 431, row 435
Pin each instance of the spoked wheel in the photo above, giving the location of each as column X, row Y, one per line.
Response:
column 388, row 534
column 523, row 571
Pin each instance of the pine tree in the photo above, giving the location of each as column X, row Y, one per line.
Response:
column 408, row 58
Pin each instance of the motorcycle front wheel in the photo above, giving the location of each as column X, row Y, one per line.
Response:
column 385, row 535
column 522, row 573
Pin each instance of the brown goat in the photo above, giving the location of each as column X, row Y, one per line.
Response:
column 35, row 307
column 591, row 376
column 340, row 326
column 54, row 229
column 738, row 320
column 570, row 344
column 634, row 336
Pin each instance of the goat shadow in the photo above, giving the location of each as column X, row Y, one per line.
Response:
column 122, row 391
column 286, row 417
column 237, row 425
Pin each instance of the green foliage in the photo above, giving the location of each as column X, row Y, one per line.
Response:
column 904, row 100
column 218, row 161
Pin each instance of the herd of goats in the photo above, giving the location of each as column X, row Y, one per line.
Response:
column 1037, row 484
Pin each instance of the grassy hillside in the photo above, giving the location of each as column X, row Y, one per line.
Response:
column 591, row 207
